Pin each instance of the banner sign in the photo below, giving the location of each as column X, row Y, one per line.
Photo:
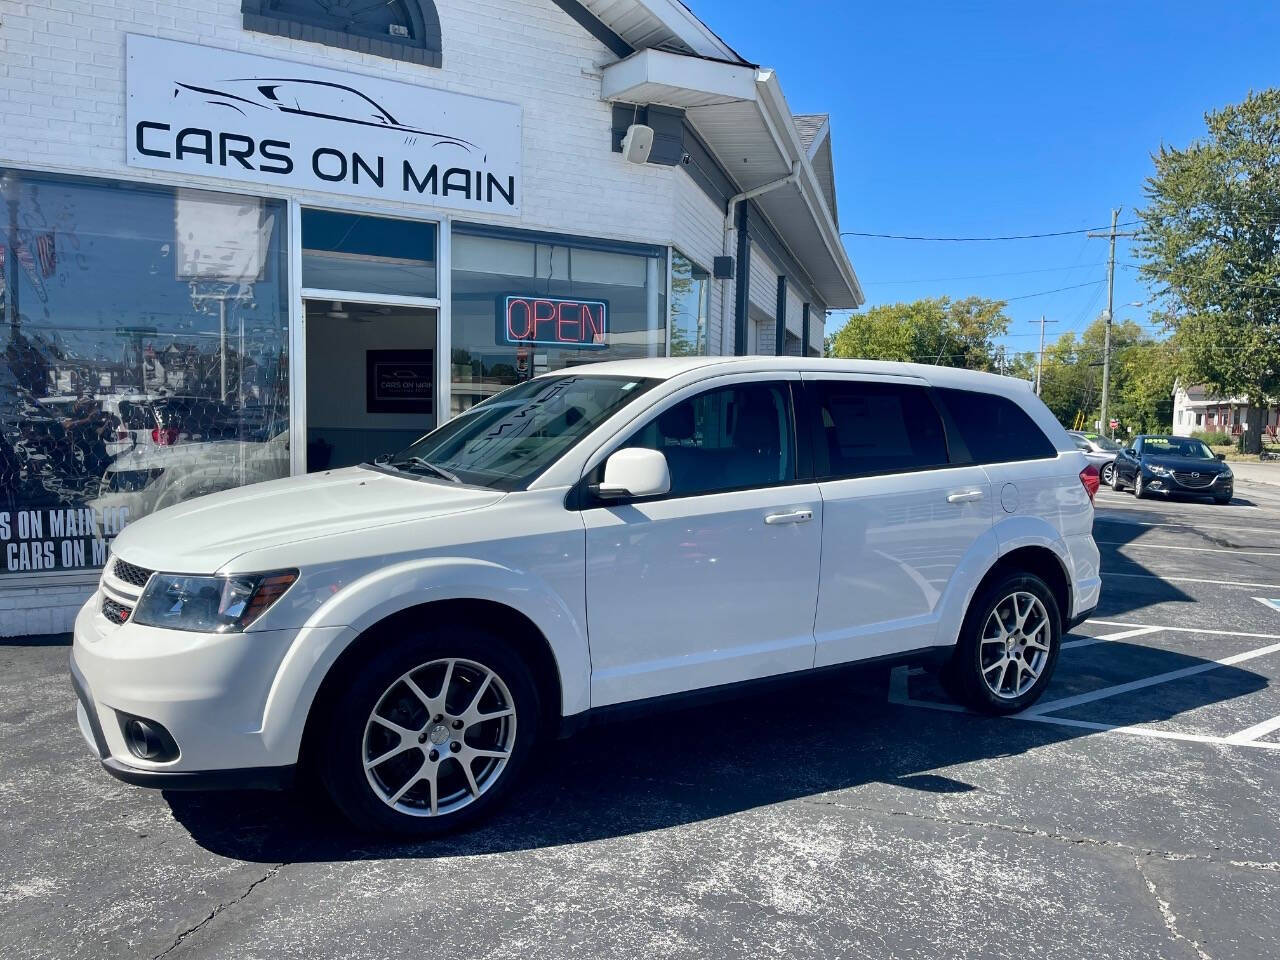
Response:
column 553, row 322
column 399, row 381
column 59, row 538
column 204, row 111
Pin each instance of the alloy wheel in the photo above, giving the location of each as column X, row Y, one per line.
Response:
column 439, row 737
column 1108, row 473
column 1014, row 647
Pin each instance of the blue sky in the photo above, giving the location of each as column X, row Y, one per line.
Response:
column 953, row 118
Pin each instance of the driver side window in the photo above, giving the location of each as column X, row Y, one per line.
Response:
column 729, row 438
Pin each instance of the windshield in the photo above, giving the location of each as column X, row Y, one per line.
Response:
column 1106, row 443
column 507, row 440
column 1176, row 447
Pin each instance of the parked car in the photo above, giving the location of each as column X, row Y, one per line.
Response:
column 1158, row 463
column 619, row 533
column 1099, row 450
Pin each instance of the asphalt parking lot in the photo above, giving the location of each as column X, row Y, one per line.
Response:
column 1132, row 813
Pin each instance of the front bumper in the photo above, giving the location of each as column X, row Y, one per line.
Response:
column 209, row 691
column 1222, row 485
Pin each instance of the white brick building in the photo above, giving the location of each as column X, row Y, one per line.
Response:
column 242, row 238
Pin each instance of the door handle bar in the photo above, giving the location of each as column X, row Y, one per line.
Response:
column 795, row 516
column 969, row 496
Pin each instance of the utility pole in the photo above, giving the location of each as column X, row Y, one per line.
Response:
column 1105, row 425
column 1040, row 362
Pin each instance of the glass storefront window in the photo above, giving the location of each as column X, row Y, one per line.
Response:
column 350, row 251
column 524, row 307
column 145, row 358
column 690, row 300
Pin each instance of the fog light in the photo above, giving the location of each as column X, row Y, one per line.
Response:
column 148, row 740
column 1156, row 484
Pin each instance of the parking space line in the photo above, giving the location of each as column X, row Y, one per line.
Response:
column 1250, row 734
column 900, row 696
column 1219, row 583
column 1065, row 703
column 1106, row 638
column 1216, row 633
column 1163, row 546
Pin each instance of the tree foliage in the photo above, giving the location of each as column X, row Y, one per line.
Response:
column 1210, row 245
column 939, row 330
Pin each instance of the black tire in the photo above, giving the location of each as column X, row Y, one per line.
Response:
column 1139, row 487
column 964, row 672
column 1108, row 475
column 1116, row 483
column 340, row 761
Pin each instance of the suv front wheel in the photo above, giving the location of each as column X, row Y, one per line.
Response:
column 432, row 733
column 1008, row 645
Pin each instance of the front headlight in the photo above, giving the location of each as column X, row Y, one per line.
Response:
column 1159, row 471
column 210, row 604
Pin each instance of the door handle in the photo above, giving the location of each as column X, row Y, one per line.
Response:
column 795, row 516
column 969, row 496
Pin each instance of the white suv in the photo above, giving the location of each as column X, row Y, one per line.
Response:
column 621, row 532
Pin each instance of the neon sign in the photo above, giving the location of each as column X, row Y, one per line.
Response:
column 553, row 322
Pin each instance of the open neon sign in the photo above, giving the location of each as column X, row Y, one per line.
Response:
column 553, row 322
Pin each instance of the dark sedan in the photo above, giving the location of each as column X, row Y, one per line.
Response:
column 1167, row 464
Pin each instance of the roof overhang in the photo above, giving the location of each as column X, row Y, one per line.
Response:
column 741, row 114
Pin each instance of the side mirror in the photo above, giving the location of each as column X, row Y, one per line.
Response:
column 1130, row 452
column 1221, row 456
column 635, row 472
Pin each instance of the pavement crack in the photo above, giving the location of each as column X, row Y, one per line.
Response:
column 1170, row 918
column 226, row 904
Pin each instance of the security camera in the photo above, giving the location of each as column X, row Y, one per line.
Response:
column 686, row 159
column 638, row 143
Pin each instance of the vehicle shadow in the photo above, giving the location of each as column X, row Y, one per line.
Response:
column 1127, row 585
column 823, row 733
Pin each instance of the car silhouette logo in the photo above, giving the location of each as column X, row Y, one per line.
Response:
column 316, row 99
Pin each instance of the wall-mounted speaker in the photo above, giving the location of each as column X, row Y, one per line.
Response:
column 637, row 144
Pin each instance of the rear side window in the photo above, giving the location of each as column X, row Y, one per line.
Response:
column 994, row 428
column 863, row 428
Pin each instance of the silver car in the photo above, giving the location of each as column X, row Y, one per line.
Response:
column 1101, row 452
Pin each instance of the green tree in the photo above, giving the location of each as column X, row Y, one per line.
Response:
column 953, row 333
column 1210, row 245
column 1072, row 380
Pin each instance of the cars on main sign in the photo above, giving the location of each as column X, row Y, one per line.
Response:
column 622, row 532
column 1159, row 463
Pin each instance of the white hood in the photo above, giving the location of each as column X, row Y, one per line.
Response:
column 204, row 534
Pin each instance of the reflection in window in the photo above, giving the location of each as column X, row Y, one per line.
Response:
column 349, row 251
column 522, row 308
column 690, row 296
column 145, row 357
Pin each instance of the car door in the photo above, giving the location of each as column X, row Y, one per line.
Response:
column 1127, row 462
column 901, row 525
column 716, row 581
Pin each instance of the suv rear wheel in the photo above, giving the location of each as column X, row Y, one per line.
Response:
column 1008, row 645
column 432, row 734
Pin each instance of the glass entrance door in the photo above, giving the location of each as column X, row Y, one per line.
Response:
column 370, row 297
column 370, row 380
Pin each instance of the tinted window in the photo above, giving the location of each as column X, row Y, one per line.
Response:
column 863, row 428
column 725, row 439
column 995, row 429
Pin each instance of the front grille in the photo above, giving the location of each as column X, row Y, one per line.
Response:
column 131, row 573
column 1185, row 478
column 115, row 612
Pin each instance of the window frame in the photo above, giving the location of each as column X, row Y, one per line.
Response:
column 581, row 498
column 260, row 16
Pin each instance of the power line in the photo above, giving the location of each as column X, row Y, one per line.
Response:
column 984, row 276
column 1022, row 236
column 1045, row 293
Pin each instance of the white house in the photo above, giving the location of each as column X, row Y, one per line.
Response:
column 1195, row 410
